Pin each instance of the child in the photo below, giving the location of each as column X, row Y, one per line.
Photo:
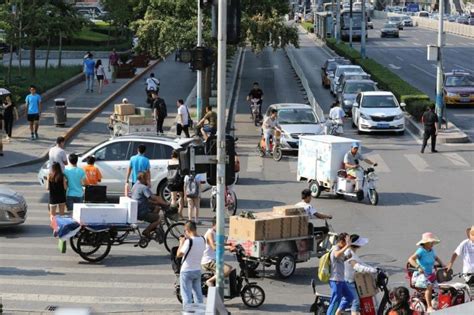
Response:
column 93, row 174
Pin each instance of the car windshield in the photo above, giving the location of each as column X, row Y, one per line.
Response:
column 333, row 64
column 350, row 69
column 378, row 101
column 357, row 87
column 389, row 25
column 296, row 116
column 457, row 80
column 395, row 19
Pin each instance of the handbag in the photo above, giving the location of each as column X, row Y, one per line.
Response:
column 106, row 81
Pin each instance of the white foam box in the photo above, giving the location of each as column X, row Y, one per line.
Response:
column 132, row 209
column 100, row 213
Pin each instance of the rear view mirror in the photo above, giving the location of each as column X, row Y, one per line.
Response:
column 355, row 105
column 403, row 105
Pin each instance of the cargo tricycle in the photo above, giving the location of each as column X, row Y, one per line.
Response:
column 321, row 164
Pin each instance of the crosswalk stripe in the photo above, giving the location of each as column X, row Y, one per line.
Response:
column 456, row 159
column 100, row 270
column 381, row 165
column 84, row 284
column 293, row 164
column 82, row 299
column 126, row 248
column 418, row 162
column 254, row 164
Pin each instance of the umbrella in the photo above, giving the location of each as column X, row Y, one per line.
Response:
column 4, row 92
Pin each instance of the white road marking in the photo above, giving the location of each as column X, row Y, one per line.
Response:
column 418, row 163
column 385, row 44
column 416, row 44
column 399, row 58
column 84, row 284
column 82, row 299
column 464, row 68
column 456, row 159
column 293, row 164
column 100, row 270
column 423, row 70
column 254, row 164
column 417, row 139
column 394, row 66
column 382, row 167
column 268, row 68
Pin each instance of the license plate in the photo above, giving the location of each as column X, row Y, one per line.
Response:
column 465, row 99
column 383, row 126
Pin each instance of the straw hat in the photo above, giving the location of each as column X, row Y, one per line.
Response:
column 428, row 237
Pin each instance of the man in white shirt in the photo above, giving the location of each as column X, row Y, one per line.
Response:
column 191, row 248
column 182, row 119
column 466, row 250
column 305, row 203
column 57, row 153
column 270, row 124
column 152, row 83
column 336, row 114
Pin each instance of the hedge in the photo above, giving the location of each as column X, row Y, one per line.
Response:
column 415, row 100
column 308, row 26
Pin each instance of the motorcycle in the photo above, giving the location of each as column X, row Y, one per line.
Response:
column 239, row 285
column 255, row 111
column 333, row 127
column 275, row 147
column 368, row 307
column 230, row 199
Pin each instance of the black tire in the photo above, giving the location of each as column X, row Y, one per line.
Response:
column 277, row 153
column 172, row 235
column 252, row 295
column 163, row 191
column 401, row 133
column 213, row 202
column 232, row 209
column 177, row 291
column 373, row 197
column 384, row 306
column 73, row 242
column 89, row 245
column 315, row 189
column 285, row 266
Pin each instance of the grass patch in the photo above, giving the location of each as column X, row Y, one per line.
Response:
column 92, row 36
column 415, row 100
column 309, row 26
column 44, row 81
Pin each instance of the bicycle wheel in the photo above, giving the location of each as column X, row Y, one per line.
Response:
column 94, row 246
column 172, row 235
column 231, row 203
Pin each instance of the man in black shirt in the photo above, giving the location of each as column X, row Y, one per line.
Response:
column 159, row 111
column 256, row 93
column 430, row 123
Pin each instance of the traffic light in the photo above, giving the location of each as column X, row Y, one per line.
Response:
column 202, row 57
column 187, row 156
column 233, row 21
column 211, row 149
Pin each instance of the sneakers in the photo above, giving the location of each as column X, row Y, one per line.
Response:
column 36, row 136
column 32, row 136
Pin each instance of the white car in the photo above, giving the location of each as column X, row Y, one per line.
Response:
column 113, row 158
column 340, row 69
column 378, row 111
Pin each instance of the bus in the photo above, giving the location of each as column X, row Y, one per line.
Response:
column 356, row 24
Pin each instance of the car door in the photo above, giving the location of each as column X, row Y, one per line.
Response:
column 159, row 163
column 112, row 159
column 355, row 109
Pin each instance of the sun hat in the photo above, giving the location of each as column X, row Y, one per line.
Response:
column 355, row 144
column 356, row 240
column 428, row 237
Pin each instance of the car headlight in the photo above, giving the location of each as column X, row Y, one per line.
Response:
column 46, row 166
column 364, row 116
column 449, row 94
column 348, row 103
column 398, row 117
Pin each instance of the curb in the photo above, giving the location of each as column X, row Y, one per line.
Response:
column 78, row 125
column 442, row 137
column 230, row 100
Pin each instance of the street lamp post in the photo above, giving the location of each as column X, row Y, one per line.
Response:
column 199, row 72
column 338, row 21
column 439, row 68
column 362, row 32
column 350, row 24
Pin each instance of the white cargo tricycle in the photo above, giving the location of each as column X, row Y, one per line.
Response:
column 320, row 163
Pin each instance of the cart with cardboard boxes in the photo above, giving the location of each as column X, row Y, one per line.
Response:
column 282, row 237
column 129, row 119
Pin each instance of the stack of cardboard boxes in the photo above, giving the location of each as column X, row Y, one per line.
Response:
column 132, row 115
column 282, row 222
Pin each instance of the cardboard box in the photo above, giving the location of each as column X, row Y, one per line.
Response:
column 263, row 228
column 298, row 225
column 365, row 284
column 289, row 210
column 97, row 213
column 124, row 109
column 120, row 117
column 143, row 111
column 134, row 119
column 132, row 209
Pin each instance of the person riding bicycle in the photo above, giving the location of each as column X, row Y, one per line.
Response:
column 270, row 124
column 466, row 250
column 256, row 93
column 211, row 126
column 351, row 164
column 152, row 85
column 336, row 115
column 149, row 205
column 305, row 203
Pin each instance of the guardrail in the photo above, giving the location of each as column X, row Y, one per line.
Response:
column 299, row 72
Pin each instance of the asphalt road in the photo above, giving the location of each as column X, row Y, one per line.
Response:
column 406, row 56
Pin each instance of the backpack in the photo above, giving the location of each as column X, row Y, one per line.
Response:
column 174, row 178
column 177, row 262
column 191, row 187
column 324, row 270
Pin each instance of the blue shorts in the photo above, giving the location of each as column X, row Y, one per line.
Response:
column 209, row 129
column 355, row 303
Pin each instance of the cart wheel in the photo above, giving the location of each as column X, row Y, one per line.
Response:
column 373, row 197
column 252, row 295
column 73, row 242
column 177, row 291
column 232, row 206
column 277, row 153
column 94, row 246
column 285, row 265
column 360, row 195
column 172, row 235
column 315, row 189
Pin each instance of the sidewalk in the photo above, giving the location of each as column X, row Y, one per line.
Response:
column 22, row 150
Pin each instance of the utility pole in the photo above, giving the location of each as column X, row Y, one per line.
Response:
column 439, row 68
column 350, row 24
column 338, row 21
column 363, row 31
column 221, row 151
column 199, row 72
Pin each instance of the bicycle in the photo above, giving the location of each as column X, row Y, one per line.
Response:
column 230, row 200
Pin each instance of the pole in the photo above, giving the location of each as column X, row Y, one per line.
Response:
column 338, row 21
column 363, row 32
column 221, row 154
column 199, row 72
column 350, row 24
column 439, row 68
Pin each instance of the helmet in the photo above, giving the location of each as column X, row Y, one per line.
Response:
column 355, row 145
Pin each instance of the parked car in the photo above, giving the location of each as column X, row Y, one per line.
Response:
column 350, row 76
column 13, row 207
column 470, row 21
column 328, row 68
column 397, row 20
column 340, row 69
column 389, row 29
column 458, row 88
column 462, row 19
column 349, row 91
column 407, row 21
column 424, row 14
column 296, row 120
column 378, row 111
column 113, row 156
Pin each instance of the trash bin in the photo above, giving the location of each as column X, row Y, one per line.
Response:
column 60, row 112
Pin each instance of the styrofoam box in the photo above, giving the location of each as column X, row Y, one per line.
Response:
column 100, row 213
column 132, row 207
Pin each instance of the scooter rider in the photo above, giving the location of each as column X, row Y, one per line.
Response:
column 256, row 93
column 351, row 163
column 305, row 203
column 466, row 250
column 270, row 124
column 336, row 114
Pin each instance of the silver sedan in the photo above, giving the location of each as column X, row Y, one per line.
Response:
column 13, row 207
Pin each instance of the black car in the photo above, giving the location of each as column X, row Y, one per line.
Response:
column 388, row 30
column 328, row 68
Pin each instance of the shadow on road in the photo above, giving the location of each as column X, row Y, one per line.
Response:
column 25, row 230
column 256, row 181
column 251, row 204
column 13, row 271
column 406, row 199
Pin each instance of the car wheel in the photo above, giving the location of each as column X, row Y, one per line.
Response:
column 163, row 191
